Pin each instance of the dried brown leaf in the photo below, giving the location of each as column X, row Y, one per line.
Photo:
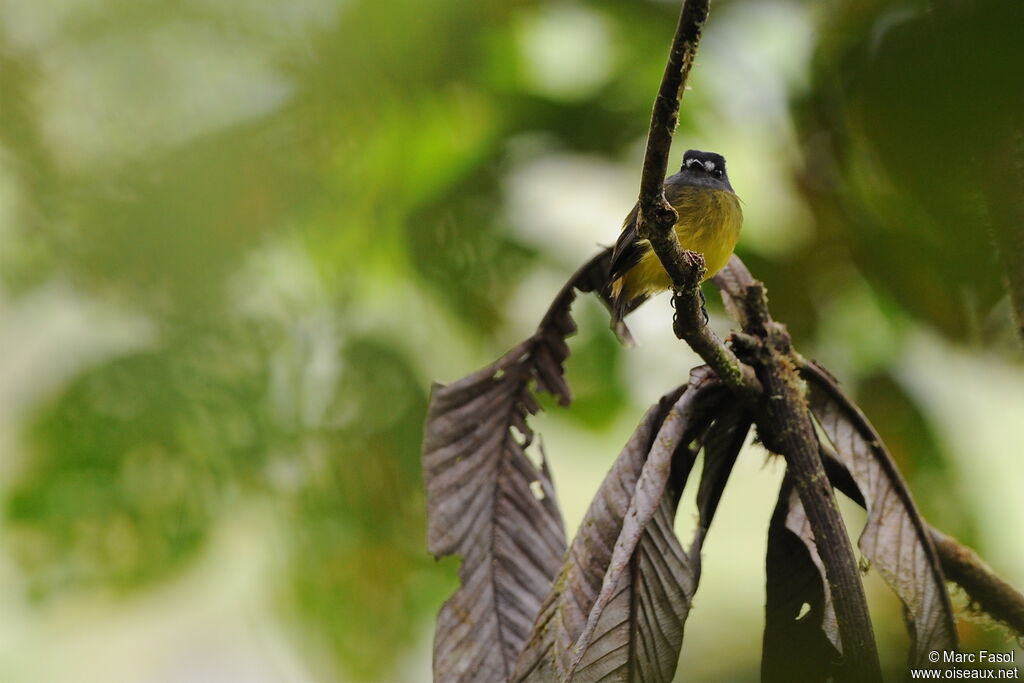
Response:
column 618, row 608
column 489, row 503
column 721, row 447
column 895, row 539
column 567, row 606
column 801, row 636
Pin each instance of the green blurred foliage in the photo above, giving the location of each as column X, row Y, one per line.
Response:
column 131, row 463
column 282, row 193
column 356, row 576
column 905, row 124
column 917, row 451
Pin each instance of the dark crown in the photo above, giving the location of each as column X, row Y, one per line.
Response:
column 717, row 159
column 708, row 163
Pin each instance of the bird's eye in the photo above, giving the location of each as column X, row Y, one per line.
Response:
column 717, row 173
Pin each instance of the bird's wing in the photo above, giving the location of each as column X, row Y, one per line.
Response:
column 627, row 250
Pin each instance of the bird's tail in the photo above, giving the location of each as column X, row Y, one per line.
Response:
column 620, row 299
column 622, row 303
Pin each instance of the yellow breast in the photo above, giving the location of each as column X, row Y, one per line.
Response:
column 709, row 223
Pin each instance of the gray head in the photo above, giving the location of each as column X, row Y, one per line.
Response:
column 705, row 168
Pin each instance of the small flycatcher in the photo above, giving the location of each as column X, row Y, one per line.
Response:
column 709, row 223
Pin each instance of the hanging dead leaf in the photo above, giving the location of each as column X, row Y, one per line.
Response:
column 721, row 447
column 801, row 636
column 488, row 502
column 895, row 539
column 617, row 610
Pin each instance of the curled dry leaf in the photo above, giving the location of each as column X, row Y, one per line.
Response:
column 801, row 636
column 638, row 633
column 721, row 447
column 481, row 506
column 618, row 608
column 635, row 626
column 895, row 539
column 567, row 605
column 488, row 502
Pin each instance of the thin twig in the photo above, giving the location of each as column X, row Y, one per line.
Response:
column 785, row 426
column 787, row 429
column 689, row 326
column 992, row 595
column 960, row 564
column 784, row 420
column 656, row 217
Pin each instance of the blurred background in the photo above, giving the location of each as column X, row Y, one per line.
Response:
column 238, row 240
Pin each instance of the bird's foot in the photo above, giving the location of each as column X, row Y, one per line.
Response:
column 682, row 303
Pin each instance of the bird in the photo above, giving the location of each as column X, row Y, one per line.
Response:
column 710, row 218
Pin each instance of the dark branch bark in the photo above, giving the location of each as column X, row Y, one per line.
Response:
column 786, row 427
column 689, row 326
column 960, row 564
column 656, row 216
column 784, row 419
column 784, row 424
column 992, row 595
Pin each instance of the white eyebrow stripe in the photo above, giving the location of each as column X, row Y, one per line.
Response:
column 709, row 165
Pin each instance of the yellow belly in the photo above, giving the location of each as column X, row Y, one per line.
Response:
column 709, row 223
